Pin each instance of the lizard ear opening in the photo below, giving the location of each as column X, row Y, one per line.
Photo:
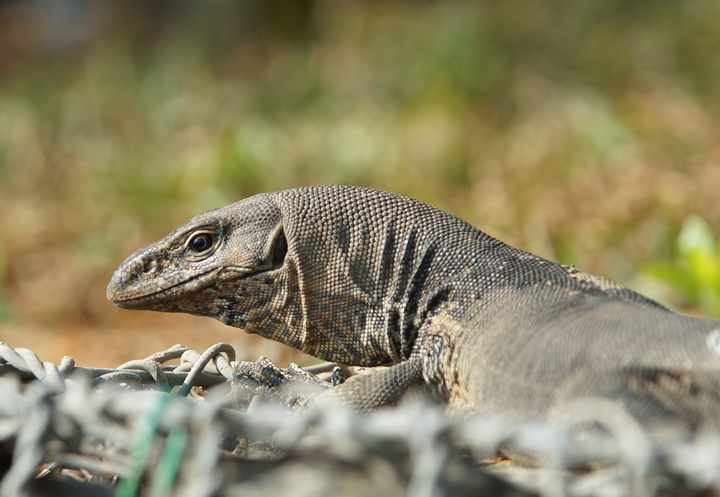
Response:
column 280, row 249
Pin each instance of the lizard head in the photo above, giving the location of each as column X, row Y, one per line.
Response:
column 342, row 273
column 205, row 266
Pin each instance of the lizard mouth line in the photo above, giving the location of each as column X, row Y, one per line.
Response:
column 183, row 288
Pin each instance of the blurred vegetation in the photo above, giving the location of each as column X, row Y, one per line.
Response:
column 585, row 132
column 695, row 272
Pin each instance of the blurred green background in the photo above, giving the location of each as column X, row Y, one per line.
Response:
column 585, row 132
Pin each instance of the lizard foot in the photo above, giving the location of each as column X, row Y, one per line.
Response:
column 294, row 386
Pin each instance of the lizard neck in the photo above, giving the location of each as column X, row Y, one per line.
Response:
column 362, row 298
column 359, row 280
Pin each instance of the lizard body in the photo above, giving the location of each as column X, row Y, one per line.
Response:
column 369, row 278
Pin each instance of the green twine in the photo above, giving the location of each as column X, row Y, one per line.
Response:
column 169, row 462
column 140, row 448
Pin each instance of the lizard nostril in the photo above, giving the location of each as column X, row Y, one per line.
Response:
column 149, row 266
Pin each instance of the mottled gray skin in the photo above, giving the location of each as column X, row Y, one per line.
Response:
column 371, row 278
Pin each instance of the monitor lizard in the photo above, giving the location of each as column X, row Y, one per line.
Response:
column 364, row 277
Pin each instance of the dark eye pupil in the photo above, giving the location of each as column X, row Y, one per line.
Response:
column 200, row 243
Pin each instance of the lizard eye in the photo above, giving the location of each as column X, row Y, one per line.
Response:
column 201, row 243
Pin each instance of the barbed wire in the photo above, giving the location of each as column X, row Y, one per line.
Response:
column 206, row 427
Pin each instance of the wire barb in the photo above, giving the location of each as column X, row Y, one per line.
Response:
column 93, row 432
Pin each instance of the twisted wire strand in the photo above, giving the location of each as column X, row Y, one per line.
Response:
column 72, row 434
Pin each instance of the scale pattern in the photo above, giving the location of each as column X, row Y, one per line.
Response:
column 368, row 278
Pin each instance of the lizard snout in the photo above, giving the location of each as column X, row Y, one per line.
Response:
column 129, row 276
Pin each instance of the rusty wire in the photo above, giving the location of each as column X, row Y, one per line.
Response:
column 153, row 430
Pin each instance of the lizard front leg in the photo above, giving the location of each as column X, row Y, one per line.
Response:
column 385, row 386
column 297, row 388
column 378, row 388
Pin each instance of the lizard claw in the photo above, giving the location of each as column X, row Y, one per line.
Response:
column 338, row 376
column 293, row 387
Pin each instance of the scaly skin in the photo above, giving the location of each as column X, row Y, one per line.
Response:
column 368, row 278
